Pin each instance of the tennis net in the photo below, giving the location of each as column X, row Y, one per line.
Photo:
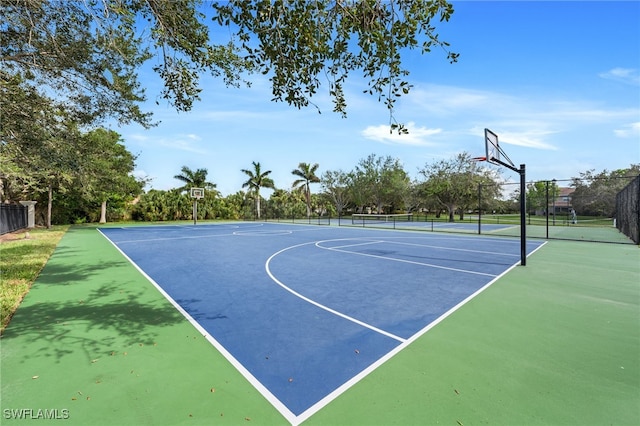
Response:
column 375, row 218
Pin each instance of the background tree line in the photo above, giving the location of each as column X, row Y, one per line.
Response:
column 87, row 177
column 74, row 176
column 375, row 185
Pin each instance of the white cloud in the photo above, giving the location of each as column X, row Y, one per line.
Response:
column 237, row 115
column 533, row 139
column 417, row 136
column 181, row 144
column 624, row 75
column 137, row 137
column 531, row 120
column 446, row 100
column 630, row 130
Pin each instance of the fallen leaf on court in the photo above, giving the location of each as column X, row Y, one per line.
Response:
column 357, row 351
column 248, row 419
column 456, row 391
column 213, row 390
column 290, row 379
column 93, row 361
column 459, row 422
column 35, row 377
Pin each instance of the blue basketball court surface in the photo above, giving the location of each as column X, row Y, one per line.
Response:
column 304, row 312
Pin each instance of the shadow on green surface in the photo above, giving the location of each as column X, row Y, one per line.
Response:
column 84, row 300
column 105, row 321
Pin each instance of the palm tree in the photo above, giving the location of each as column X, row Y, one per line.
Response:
column 197, row 179
column 307, row 174
column 257, row 179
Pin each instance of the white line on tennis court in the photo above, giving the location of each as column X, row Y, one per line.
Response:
column 357, row 378
column 359, row 244
column 424, row 245
column 265, row 233
column 319, row 305
column 193, row 237
column 453, row 248
column 393, row 259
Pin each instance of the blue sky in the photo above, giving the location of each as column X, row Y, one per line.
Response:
column 559, row 82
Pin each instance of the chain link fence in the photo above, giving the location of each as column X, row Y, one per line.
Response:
column 580, row 209
column 594, row 210
column 571, row 209
column 628, row 210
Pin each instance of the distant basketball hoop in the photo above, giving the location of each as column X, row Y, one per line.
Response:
column 196, row 194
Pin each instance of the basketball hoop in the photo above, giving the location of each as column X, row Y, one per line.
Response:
column 197, row 193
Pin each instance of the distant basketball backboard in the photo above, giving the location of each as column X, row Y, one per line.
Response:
column 492, row 146
column 197, row 193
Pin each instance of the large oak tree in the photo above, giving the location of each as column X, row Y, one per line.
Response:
column 89, row 52
column 453, row 183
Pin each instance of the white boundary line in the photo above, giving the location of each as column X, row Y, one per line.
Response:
column 430, row 265
column 453, row 248
column 288, row 414
column 319, row 305
column 189, row 228
column 194, row 237
column 355, row 379
column 247, row 375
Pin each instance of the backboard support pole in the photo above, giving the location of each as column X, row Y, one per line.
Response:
column 195, row 211
column 494, row 152
column 523, row 213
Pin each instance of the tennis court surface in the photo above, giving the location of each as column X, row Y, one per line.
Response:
column 305, row 312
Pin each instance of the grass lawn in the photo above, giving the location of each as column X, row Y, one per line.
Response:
column 24, row 254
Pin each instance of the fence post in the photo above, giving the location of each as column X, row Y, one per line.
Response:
column 31, row 212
